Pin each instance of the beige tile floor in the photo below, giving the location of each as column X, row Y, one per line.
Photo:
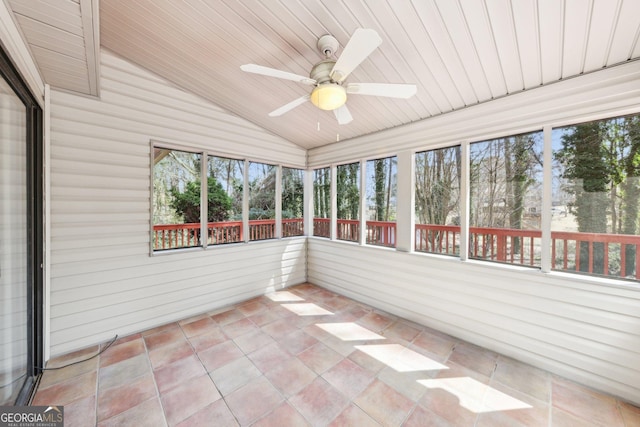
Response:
column 307, row 356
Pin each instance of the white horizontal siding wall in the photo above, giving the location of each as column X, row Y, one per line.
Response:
column 584, row 328
column 103, row 280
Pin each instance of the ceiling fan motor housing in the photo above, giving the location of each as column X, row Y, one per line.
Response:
column 327, row 45
column 321, row 72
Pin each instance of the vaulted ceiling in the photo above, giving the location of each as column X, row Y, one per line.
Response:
column 458, row 52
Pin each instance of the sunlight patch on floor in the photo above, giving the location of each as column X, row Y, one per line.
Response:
column 307, row 309
column 349, row 331
column 476, row 396
column 283, row 296
column 400, row 358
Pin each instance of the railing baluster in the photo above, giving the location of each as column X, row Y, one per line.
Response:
column 484, row 242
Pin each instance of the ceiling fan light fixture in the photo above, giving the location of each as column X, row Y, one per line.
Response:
column 329, row 96
column 328, row 76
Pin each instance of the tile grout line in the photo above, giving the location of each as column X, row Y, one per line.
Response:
column 551, row 404
column 207, row 373
column 98, row 364
column 146, row 352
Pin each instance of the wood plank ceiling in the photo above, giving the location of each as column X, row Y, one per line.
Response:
column 63, row 36
column 458, row 52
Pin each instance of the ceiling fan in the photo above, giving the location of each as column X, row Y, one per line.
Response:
column 328, row 76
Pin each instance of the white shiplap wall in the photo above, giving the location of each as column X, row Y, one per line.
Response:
column 583, row 328
column 103, row 280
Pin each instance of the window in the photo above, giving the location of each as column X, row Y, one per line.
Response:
column 176, row 199
column 292, row 202
column 593, row 211
column 322, row 202
column 596, row 197
column 437, row 196
column 224, row 192
column 506, row 198
column 262, row 201
column 178, row 194
column 348, row 195
column 381, row 201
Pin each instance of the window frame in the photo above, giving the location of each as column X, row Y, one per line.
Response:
column 277, row 233
column 205, row 154
column 359, row 232
column 282, row 191
column 203, row 201
column 461, row 196
column 364, row 197
column 468, row 196
column 608, row 246
column 312, row 179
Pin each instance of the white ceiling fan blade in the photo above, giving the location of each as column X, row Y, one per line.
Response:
column 343, row 115
column 390, row 90
column 272, row 72
column 362, row 43
column 290, row 106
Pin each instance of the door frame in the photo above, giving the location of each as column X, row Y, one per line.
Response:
column 35, row 225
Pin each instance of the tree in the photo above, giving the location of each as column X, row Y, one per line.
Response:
column 502, row 171
column 380, row 181
column 230, row 174
column 505, row 189
column 187, row 203
column 631, row 189
column 322, row 193
column 262, row 191
column 347, row 186
column 172, row 169
column 292, row 193
column 602, row 160
column 381, row 190
column 437, row 187
column 584, row 158
column 520, row 159
column 488, row 197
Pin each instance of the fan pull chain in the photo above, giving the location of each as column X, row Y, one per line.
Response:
column 318, row 125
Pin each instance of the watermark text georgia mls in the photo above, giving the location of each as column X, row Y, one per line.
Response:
column 31, row 416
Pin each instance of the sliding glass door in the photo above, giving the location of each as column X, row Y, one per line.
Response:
column 20, row 238
column 13, row 245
